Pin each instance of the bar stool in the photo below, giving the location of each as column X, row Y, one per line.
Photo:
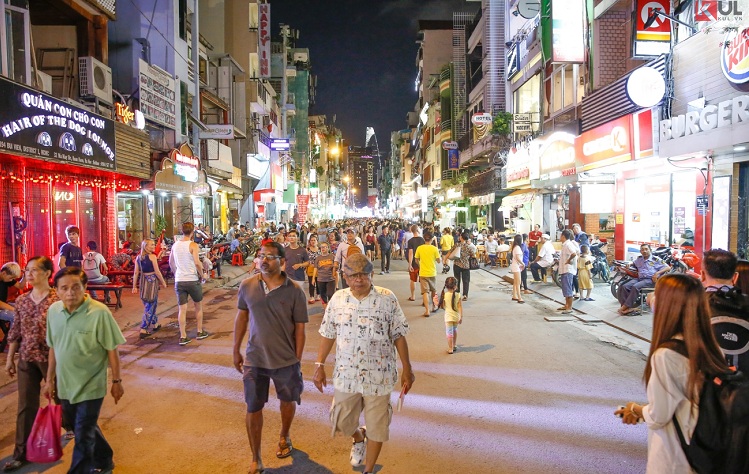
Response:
column 237, row 259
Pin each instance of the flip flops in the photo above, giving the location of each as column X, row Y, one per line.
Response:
column 284, row 448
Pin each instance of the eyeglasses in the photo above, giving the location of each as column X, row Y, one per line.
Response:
column 358, row 276
column 269, row 257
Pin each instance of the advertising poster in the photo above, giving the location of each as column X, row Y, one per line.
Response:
column 679, row 220
column 158, row 99
column 567, row 31
column 302, row 206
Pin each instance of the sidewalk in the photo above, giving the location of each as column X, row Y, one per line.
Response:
column 604, row 308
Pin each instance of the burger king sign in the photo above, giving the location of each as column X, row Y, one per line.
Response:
column 734, row 60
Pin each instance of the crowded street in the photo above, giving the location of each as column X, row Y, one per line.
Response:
column 520, row 394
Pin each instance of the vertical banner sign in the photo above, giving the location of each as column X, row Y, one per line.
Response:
column 263, row 37
column 567, row 31
column 158, row 99
column 656, row 39
column 453, row 160
column 302, row 204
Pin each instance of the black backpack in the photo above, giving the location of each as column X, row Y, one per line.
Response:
column 720, row 442
column 730, row 321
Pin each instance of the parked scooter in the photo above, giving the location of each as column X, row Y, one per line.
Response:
column 600, row 268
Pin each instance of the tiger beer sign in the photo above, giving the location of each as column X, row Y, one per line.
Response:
column 734, row 58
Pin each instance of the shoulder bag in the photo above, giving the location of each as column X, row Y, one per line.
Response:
column 455, row 254
column 149, row 286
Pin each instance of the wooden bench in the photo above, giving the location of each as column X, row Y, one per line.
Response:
column 126, row 274
column 106, row 288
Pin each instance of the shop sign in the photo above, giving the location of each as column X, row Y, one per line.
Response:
column 646, row 87
column 218, row 131
column 449, row 145
column 567, row 31
column 655, row 39
column 513, row 59
column 518, row 167
column 734, row 56
column 521, row 123
column 557, row 156
column 41, row 126
column 725, row 114
column 302, row 206
column 703, row 203
column 481, row 118
column 279, row 144
column 202, row 189
column 186, row 167
column 453, row 159
column 717, row 10
column 263, row 38
column 158, row 99
column 605, row 145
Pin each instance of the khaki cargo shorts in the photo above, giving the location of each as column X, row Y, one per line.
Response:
column 346, row 408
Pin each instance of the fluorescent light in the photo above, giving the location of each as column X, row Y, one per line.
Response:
column 739, row 148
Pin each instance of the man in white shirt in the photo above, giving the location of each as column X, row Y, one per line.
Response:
column 343, row 252
column 95, row 266
column 568, row 269
column 544, row 259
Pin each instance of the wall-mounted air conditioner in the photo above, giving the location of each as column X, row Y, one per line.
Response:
column 44, row 82
column 95, row 79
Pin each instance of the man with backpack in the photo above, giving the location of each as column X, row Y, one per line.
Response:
column 352, row 245
column 95, row 266
column 729, row 308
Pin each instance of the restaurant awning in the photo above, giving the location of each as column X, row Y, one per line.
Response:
column 519, row 197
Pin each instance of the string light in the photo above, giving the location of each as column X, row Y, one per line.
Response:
column 29, row 176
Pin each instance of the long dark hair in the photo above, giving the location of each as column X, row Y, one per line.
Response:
column 682, row 309
column 451, row 284
column 517, row 241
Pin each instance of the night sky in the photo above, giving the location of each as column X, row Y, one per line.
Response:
column 364, row 54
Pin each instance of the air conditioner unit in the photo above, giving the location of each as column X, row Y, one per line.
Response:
column 95, row 79
column 44, row 82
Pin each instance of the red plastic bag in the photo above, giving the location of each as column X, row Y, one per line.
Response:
column 43, row 445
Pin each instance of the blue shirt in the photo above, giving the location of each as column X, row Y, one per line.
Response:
column 234, row 245
column 526, row 254
column 647, row 268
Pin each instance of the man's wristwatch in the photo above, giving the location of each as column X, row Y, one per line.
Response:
column 117, row 381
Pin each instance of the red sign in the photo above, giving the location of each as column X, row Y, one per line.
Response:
column 656, row 39
column 734, row 58
column 372, row 201
column 605, row 145
column 302, row 204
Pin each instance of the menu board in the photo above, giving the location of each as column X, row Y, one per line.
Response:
column 157, row 95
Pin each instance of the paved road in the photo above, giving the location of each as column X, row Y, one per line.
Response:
column 521, row 395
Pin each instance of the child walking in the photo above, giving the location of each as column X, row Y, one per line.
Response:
column 453, row 307
column 584, row 263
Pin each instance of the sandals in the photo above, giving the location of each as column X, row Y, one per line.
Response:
column 284, row 448
column 145, row 335
column 69, row 435
column 411, row 299
column 260, row 469
column 14, row 465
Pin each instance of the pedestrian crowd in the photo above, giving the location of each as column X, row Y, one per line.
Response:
column 66, row 340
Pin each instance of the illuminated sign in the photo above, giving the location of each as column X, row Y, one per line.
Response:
column 513, row 60
column 655, row 39
column 734, row 57
column 725, row 114
column 646, row 87
column 123, row 113
column 218, row 131
column 449, row 145
column 453, row 159
column 279, row 144
column 186, row 167
column 567, row 31
column 717, row 10
column 41, row 126
column 263, row 38
column 557, row 156
column 521, row 123
column 605, row 145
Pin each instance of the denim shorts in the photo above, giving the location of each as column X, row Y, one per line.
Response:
column 287, row 381
column 192, row 288
column 566, row 280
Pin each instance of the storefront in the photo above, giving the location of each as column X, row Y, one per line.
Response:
column 178, row 193
column 58, row 167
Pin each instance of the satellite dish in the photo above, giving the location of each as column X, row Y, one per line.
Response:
column 529, row 8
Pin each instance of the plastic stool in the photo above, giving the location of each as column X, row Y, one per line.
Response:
column 237, row 260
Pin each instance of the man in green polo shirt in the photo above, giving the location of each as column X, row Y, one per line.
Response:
column 83, row 336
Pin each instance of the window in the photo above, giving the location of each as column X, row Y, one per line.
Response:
column 15, row 42
column 565, row 88
column 183, row 19
column 527, row 100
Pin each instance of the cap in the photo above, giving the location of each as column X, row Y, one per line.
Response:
column 357, row 263
column 350, row 229
column 546, row 236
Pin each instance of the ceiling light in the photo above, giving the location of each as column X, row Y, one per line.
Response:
column 739, row 148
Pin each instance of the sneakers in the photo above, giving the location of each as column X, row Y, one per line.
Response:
column 359, row 450
column 201, row 335
column 183, row 341
column 382, row 273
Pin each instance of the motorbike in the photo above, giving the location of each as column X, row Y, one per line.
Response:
column 600, row 268
column 624, row 272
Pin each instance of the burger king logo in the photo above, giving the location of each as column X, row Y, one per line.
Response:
column 734, row 60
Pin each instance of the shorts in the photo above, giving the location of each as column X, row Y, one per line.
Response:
column 188, row 288
column 428, row 284
column 451, row 329
column 287, row 381
column 346, row 408
column 566, row 281
column 369, row 248
column 444, row 252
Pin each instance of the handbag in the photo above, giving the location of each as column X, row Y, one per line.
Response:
column 43, row 445
column 473, row 263
column 149, row 288
column 455, row 254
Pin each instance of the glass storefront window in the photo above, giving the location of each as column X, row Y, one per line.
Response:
column 38, row 232
column 527, row 100
column 63, row 210
column 88, row 218
column 130, row 219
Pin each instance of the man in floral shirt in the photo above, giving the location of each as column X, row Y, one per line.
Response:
column 367, row 325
